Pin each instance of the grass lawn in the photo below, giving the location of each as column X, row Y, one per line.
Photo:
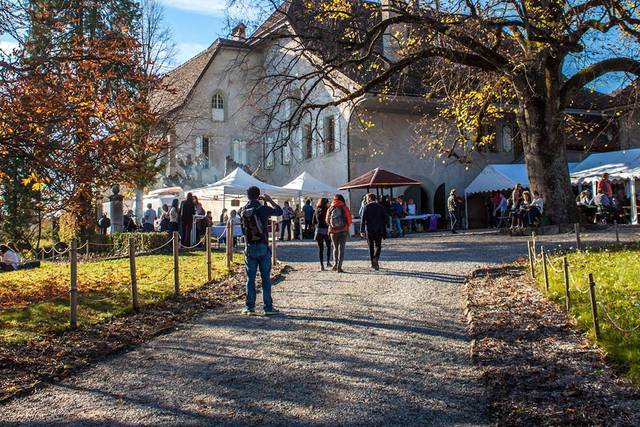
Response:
column 617, row 277
column 34, row 303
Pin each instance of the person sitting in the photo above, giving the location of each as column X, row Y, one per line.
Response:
column 10, row 258
column 536, row 209
column 604, row 204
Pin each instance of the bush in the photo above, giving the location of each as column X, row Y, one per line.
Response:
column 144, row 241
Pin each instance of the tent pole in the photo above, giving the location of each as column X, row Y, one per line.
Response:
column 466, row 210
column 634, row 203
column 594, row 188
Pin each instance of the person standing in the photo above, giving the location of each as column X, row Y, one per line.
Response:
column 322, row 231
column 605, row 185
column 149, row 219
column 452, row 206
column 174, row 216
column 224, row 218
column 411, row 211
column 287, row 217
column 187, row 210
column 254, row 219
column 104, row 223
column 308, row 216
column 164, row 218
column 339, row 220
column 297, row 217
column 374, row 220
column 397, row 215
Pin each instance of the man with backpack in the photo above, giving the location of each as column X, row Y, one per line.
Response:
column 374, row 222
column 339, row 220
column 254, row 218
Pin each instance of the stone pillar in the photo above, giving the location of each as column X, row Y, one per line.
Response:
column 116, row 211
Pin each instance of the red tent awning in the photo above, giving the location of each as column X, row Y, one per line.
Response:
column 379, row 178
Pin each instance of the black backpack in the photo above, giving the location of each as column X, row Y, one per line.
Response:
column 251, row 225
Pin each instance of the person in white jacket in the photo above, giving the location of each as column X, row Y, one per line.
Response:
column 10, row 259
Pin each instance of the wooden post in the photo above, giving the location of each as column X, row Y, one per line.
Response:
column 229, row 231
column 615, row 225
column 567, row 292
column 576, row 227
column 594, row 306
column 132, row 269
column 533, row 243
column 531, row 260
column 73, row 289
column 274, row 258
column 42, row 254
column 176, row 267
column 208, row 248
column 544, row 269
column 86, row 251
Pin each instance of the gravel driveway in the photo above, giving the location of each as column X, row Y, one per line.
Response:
column 360, row 348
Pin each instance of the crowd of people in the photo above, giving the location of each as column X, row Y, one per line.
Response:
column 522, row 208
column 604, row 205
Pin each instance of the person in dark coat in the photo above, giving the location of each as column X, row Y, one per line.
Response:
column 187, row 211
column 373, row 226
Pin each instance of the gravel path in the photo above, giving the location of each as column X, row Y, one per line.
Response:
column 360, row 348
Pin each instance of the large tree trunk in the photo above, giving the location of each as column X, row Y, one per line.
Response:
column 540, row 121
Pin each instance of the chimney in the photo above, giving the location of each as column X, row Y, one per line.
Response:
column 239, row 32
column 394, row 34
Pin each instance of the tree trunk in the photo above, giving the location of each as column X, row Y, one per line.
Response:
column 540, row 121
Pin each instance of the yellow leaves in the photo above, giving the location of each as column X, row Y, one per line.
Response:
column 34, row 181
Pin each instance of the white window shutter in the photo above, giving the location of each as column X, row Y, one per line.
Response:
column 337, row 137
column 314, row 143
column 321, row 140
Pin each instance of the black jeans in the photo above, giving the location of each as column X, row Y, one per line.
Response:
column 324, row 240
column 286, row 223
column 375, row 245
column 454, row 220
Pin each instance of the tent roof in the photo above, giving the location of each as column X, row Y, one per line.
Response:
column 236, row 183
column 309, row 185
column 379, row 178
column 624, row 164
column 497, row 177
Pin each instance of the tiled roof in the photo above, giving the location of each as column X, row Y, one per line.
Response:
column 178, row 83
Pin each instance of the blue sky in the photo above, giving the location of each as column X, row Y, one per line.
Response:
column 195, row 24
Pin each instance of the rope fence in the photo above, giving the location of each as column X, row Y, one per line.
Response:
column 560, row 266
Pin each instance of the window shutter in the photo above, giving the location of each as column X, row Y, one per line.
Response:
column 337, row 141
column 314, row 143
column 321, row 141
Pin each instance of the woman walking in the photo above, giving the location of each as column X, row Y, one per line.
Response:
column 322, row 231
column 339, row 220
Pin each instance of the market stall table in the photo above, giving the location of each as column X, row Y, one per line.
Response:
column 432, row 218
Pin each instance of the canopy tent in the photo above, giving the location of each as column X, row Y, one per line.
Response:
column 623, row 165
column 620, row 165
column 235, row 185
column 308, row 185
column 379, row 178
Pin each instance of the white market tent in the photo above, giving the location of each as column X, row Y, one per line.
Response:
column 235, row 185
column 306, row 185
column 623, row 165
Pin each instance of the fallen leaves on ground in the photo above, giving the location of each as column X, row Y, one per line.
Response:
column 538, row 369
column 24, row 367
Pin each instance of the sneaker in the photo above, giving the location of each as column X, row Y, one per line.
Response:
column 376, row 264
column 271, row 312
column 340, row 270
column 249, row 312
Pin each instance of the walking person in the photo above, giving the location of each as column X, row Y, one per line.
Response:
column 339, row 220
column 287, row 217
column 187, row 211
column 254, row 219
column 374, row 226
column 322, row 231
column 452, row 205
column 149, row 218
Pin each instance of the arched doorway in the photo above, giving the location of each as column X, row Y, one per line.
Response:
column 440, row 203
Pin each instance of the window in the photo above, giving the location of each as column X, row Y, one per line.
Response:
column 507, row 138
column 329, row 127
column 308, row 141
column 286, row 153
column 240, row 152
column 202, row 147
column 269, row 154
column 217, row 108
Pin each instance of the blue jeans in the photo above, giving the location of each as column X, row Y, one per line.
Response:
column 398, row 225
column 258, row 256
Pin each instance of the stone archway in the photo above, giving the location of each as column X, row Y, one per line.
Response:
column 440, row 203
